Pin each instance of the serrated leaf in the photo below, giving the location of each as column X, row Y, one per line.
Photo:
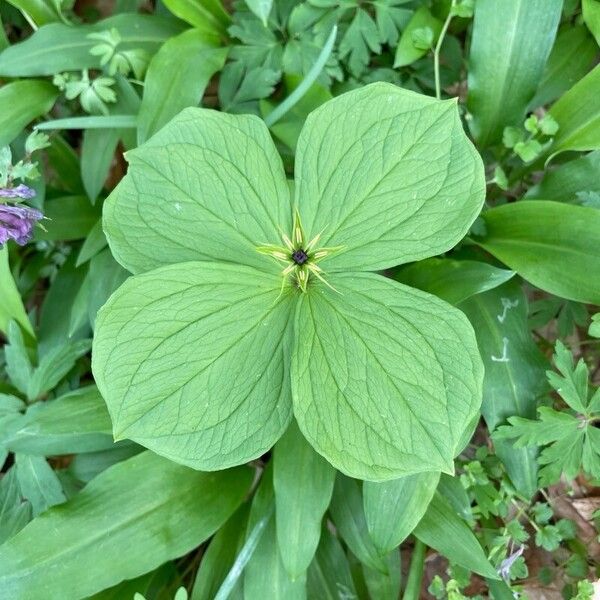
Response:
column 388, row 193
column 407, row 363
column 199, row 174
column 192, row 362
column 261, row 8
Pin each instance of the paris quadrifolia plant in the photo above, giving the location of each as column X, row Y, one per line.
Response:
column 256, row 301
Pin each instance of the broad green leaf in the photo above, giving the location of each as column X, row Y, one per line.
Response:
column 384, row 586
column 571, row 58
column 387, row 192
column 97, row 153
column 14, row 512
column 141, row 512
column 514, row 371
column 219, row 556
column 11, row 305
column 192, row 360
column 570, row 180
column 407, row 51
column 591, row 17
column 348, row 516
column 93, row 244
column 303, row 482
column 18, row 363
column 69, row 218
column 443, row 530
column 38, row 482
column 218, row 183
column 76, row 422
column 177, row 77
column 264, row 575
column 552, row 245
column 57, row 47
column 511, row 43
column 261, row 8
column 385, row 378
column 578, row 115
column 452, row 280
column 84, row 467
column 40, row 11
column 20, row 103
column 329, row 576
column 393, row 508
column 207, row 16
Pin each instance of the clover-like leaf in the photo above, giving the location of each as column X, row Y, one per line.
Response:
column 209, row 186
column 192, row 360
column 389, row 174
column 385, row 378
column 202, row 358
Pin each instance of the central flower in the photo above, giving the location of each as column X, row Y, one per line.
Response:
column 299, row 256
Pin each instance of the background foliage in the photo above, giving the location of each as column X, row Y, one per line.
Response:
column 84, row 517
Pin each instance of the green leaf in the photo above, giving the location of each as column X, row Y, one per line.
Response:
column 407, row 52
column 578, row 115
column 566, row 182
column 591, row 17
column 38, row 482
column 394, row 508
column 261, row 8
column 359, row 41
column 384, row 586
column 216, row 179
column 208, row 16
column 100, row 122
column 554, row 246
column 93, row 244
column 69, row 218
column 366, row 360
column 57, row 47
column 97, row 153
column 387, row 193
column 15, row 513
column 348, row 516
column 329, row 576
column 40, row 11
column 76, row 422
column 303, row 483
column 266, row 558
column 11, row 305
column 514, row 371
column 442, row 529
column 571, row 58
column 452, row 280
column 20, row 103
column 141, row 512
column 192, row 361
column 18, row 363
column 510, row 46
column 219, row 557
column 177, row 77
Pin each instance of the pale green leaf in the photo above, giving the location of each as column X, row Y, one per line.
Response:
column 511, row 43
column 591, row 17
column 192, row 361
column 407, row 52
column 387, row 174
column 393, row 508
column 303, row 482
column 38, row 482
column 177, row 77
column 208, row 16
column 385, row 378
column 20, row 103
column 141, row 512
column 261, row 8
column 554, row 246
column 97, row 153
column 208, row 186
column 11, row 305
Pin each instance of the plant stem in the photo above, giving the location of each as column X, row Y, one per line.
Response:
column 412, row 591
column 438, row 47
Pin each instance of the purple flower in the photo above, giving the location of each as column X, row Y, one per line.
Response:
column 17, row 222
column 21, row 191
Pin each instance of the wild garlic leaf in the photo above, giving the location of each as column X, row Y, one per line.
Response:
column 385, row 378
column 209, row 186
column 389, row 175
column 192, row 362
